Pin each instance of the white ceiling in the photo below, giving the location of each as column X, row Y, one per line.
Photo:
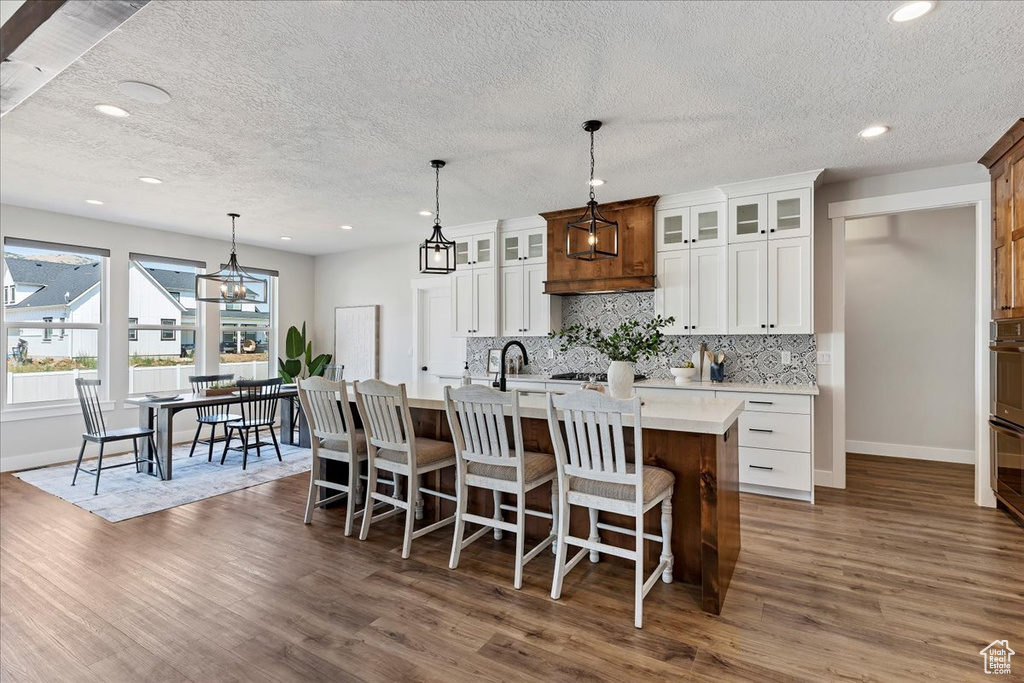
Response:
column 306, row 116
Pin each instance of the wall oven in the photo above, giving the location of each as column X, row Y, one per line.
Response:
column 1006, row 425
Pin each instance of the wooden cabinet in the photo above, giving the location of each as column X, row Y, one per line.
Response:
column 1005, row 161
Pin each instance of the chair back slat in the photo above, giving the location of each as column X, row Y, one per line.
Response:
column 594, row 446
column 476, row 418
column 259, row 399
column 384, row 409
column 202, row 382
column 88, row 397
column 325, row 404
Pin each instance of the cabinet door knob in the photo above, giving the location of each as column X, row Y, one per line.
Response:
column 772, row 325
column 762, row 326
column 762, row 232
column 773, row 229
column 424, row 368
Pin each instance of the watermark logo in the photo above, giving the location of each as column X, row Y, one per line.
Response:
column 997, row 657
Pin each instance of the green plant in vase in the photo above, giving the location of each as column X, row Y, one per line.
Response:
column 629, row 343
column 297, row 349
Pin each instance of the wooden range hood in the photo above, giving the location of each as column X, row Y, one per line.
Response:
column 631, row 271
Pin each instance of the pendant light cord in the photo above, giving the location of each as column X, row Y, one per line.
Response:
column 592, row 166
column 233, row 232
column 437, row 195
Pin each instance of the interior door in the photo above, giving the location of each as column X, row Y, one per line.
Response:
column 440, row 353
column 672, row 296
column 789, row 286
column 709, row 304
column 748, row 280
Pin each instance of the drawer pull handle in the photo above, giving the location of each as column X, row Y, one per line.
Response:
column 766, row 431
column 760, row 467
column 762, row 403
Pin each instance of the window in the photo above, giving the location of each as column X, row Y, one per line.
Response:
column 246, row 332
column 162, row 327
column 60, row 284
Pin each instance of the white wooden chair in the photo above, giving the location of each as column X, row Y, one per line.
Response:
column 393, row 447
column 334, row 437
column 594, row 472
column 484, row 459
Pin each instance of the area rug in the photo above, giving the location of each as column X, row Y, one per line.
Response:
column 124, row 493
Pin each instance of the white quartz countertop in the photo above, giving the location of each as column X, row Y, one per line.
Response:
column 697, row 414
column 744, row 387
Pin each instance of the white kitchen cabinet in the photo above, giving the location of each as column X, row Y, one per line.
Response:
column 789, row 214
column 709, row 284
column 526, row 311
column 748, row 219
column 474, row 251
column 748, row 285
column 789, row 286
column 474, row 303
column 707, row 225
column 524, row 246
column 672, row 295
column 672, row 228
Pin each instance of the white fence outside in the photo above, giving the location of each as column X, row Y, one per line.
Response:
column 30, row 387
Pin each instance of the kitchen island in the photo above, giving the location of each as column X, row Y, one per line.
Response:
column 693, row 437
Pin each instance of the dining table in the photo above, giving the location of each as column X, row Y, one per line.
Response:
column 158, row 414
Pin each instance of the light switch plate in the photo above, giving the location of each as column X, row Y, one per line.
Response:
column 787, row 357
column 824, row 358
column 551, row 354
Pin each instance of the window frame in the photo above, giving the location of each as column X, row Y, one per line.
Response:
column 270, row 329
column 133, row 332
column 167, row 330
column 58, row 406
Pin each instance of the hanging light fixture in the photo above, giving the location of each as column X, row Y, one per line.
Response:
column 593, row 236
column 232, row 284
column 437, row 255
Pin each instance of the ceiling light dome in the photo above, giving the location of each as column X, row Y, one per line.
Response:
column 911, row 11
column 874, row 131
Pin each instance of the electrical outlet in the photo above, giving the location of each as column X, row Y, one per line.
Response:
column 551, row 354
column 824, row 358
column 787, row 357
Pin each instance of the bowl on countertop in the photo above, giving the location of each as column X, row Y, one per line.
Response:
column 683, row 375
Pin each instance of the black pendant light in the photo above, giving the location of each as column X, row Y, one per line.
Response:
column 437, row 255
column 593, row 236
column 232, row 284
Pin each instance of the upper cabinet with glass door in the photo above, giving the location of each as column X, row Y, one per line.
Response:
column 474, row 251
column 673, row 226
column 707, row 225
column 789, row 214
column 748, row 219
column 524, row 246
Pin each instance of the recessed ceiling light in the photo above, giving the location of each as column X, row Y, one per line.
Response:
column 93, row 201
column 285, row 237
column 873, row 131
column 144, row 92
column 151, row 181
column 346, row 227
column 111, row 110
column 911, row 11
column 426, row 213
column 596, row 182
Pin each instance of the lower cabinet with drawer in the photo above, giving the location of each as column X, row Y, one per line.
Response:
column 776, row 433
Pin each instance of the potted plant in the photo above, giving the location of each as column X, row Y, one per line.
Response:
column 630, row 342
column 220, row 389
column 291, row 369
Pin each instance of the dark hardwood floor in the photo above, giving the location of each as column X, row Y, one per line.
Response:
column 898, row 578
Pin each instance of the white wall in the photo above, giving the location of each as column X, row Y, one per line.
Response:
column 380, row 276
column 910, row 334
column 897, row 183
column 42, row 440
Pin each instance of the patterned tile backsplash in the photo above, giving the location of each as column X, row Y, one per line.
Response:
column 748, row 358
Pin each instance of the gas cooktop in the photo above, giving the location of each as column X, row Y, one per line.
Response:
column 590, row 376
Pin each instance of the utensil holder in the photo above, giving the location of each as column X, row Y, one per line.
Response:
column 718, row 372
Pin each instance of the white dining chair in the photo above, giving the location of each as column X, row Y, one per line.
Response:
column 485, row 458
column 333, row 437
column 392, row 446
column 595, row 471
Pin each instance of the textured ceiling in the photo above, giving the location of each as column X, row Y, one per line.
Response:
column 306, row 116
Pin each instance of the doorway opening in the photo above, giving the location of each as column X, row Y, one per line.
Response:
column 435, row 351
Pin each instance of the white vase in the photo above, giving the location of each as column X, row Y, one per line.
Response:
column 620, row 379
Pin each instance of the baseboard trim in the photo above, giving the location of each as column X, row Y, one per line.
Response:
column 823, row 478
column 896, row 450
column 29, row 461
